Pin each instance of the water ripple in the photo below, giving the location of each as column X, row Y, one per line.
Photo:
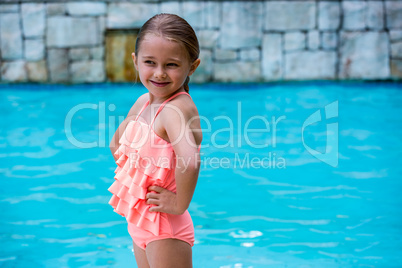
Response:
column 299, row 208
column 32, row 222
column 29, row 137
column 79, row 186
column 322, row 231
column 368, row 247
column 363, row 222
column 359, row 134
column 43, row 152
column 315, row 189
column 82, row 226
column 65, row 241
column 252, row 218
column 243, row 234
column 43, row 197
column 11, row 258
column 48, row 170
column 364, row 174
column 363, row 148
column 349, row 256
column 262, row 180
column 338, row 196
column 307, row 244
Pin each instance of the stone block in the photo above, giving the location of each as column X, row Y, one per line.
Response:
column 295, row 41
column 396, row 68
column 271, row 64
column 11, row 37
column 225, row 55
column 329, row 15
column 241, row 25
column 354, row 15
column 375, row 15
column 238, row 71
column 101, row 29
column 329, row 40
column 58, row 65
column 33, row 19
column 195, row 13
column 88, row 71
column 300, row 65
column 364, row 55
column 396, row 50
column 77, row 54
column 292, row 15
column 9, row 8
column 395, row 35
column 34, row 49
column 313, row 40
column 97, row 53
column 86, row 8
column 129, row 15
column 203, row 73
column 171, row 8
column 207, row 38
column 66, row 31
column 56, row 9
column 393, row 14
column 252, row 54
column 13, row 71
column 213, row 12
column 37, row 71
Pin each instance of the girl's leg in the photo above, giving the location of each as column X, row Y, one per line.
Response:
column 140, row 257
column 169, row 253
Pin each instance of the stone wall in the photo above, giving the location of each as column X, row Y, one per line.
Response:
column 241, row 41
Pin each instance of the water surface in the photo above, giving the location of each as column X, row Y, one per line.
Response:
column 288, row 209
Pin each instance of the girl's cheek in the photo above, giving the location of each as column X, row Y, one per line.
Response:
column 147, row 69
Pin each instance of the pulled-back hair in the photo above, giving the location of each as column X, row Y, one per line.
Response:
column 173, row 28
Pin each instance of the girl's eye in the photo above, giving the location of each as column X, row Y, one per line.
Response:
column 149, row 62
column 172, row 64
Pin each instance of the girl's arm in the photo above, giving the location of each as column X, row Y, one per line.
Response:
column 114, row 143
column 183, row 130
column 135, row 109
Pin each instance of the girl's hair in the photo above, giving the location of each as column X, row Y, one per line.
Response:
column 173, row 28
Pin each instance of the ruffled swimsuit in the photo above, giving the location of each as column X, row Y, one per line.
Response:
column 145, row 159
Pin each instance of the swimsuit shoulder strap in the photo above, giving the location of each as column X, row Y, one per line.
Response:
column 142, row 109
column 166, row 101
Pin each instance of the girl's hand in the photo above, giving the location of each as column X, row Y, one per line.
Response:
column 163, row 199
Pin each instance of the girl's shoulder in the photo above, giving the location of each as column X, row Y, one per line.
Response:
column 184, row 104
column 142, row 99
column 135, row 109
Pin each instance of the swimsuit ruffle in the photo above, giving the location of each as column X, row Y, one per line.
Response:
column 139, row 165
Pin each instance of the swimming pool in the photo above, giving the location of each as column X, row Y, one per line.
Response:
column 262, row 199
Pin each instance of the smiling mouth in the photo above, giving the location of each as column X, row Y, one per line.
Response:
column 159, row 84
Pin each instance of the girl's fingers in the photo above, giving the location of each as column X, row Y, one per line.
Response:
column 155, row 209
column 155, row 188
column 152, row 195
column 152, row 202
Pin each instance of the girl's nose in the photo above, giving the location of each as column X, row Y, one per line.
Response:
column 160, row 73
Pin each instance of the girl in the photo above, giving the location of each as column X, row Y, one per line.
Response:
column 157, row 146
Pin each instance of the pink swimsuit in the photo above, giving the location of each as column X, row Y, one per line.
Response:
column 145, row 159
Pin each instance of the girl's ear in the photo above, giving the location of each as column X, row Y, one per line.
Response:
column 135, row 60
column 194, row 66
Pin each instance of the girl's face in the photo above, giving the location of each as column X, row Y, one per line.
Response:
column 163, row 65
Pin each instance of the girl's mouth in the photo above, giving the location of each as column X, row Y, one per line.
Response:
column 159, row 84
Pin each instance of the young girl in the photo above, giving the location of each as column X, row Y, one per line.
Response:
column 156, row 147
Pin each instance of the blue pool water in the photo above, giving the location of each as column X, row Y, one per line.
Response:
column 274, row 206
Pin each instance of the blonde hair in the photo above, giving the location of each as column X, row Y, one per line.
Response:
column 173, row 28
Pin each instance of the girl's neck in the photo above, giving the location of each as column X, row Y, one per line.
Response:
column 159, row 100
